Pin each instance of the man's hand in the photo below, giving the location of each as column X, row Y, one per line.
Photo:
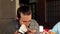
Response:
column 45, row 32
column 23, row 29
column 49, row 32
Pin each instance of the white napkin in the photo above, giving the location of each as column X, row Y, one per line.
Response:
column 23, row 29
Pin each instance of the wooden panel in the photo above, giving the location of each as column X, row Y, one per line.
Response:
column 7, row 9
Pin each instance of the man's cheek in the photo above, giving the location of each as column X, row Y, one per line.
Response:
column 27, row 23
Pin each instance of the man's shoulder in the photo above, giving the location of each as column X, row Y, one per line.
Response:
column 58, row 22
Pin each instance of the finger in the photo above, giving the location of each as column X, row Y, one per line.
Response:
column 45, row 32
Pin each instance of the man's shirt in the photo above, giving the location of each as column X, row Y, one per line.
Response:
column 11, row 27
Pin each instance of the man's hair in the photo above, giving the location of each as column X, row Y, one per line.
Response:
column 26, row 10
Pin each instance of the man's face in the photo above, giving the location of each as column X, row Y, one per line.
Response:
column 25, row 19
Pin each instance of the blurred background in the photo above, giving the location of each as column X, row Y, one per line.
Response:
column 45, row 12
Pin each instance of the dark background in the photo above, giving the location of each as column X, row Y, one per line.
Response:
column 46, row 12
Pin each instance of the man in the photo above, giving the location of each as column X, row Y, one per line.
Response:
column 56, row 29
column 24, row 18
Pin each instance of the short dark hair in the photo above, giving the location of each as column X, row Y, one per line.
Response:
column 26, row 10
